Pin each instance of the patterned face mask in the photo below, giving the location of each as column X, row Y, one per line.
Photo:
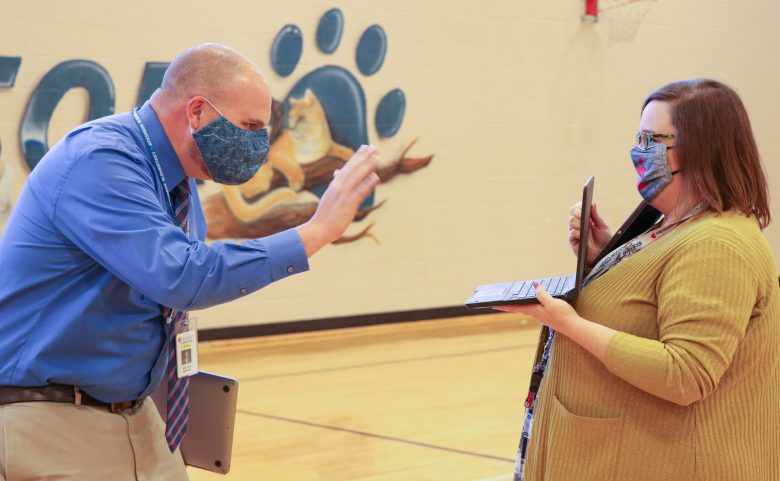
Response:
column 232, row 155
column 653, row 169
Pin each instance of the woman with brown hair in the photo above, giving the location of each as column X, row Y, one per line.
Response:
column 668, row 365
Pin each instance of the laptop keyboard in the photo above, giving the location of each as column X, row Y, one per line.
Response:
column 556, row 286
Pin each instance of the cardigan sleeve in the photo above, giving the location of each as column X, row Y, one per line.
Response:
column 706, row 295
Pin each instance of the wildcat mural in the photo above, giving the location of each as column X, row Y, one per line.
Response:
column 315, row 129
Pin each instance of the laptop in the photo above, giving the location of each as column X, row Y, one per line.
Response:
column 642, row 219
column 523, row 292
column 208, row 443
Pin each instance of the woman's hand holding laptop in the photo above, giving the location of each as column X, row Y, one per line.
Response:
column 599, row 231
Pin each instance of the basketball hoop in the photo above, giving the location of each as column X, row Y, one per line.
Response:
column 622, row 16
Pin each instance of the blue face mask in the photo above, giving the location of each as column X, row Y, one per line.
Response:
column 232, row 155
column 653, row 169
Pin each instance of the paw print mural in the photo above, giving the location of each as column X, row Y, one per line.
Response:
column 315, row 129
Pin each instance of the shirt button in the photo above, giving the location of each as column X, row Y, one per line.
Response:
column 243, row 291
column 290, row 269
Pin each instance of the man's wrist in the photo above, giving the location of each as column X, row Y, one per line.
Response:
column 312, row 238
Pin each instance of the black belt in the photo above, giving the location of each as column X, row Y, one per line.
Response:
column 58, row 393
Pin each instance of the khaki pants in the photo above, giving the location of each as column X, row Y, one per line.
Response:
column 58, row 441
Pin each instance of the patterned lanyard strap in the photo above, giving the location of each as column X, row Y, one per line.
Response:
column 636, row 244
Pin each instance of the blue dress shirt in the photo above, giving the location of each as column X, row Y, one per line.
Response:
column 91, row 254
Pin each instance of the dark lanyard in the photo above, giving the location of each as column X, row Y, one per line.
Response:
column 161, row 175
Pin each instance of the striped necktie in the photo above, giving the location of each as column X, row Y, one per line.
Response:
column 178, row 389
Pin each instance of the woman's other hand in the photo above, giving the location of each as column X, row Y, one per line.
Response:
column 598, row 236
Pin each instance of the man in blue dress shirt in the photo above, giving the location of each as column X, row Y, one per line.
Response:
column 92, row 257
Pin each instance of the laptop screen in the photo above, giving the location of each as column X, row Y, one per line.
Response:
column 642, row 219
column 582, row 254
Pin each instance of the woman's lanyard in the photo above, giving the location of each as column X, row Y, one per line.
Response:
column 635, row 245
column 157, row 164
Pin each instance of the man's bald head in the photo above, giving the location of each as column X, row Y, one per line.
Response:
column 209, row 70
column 201, row 84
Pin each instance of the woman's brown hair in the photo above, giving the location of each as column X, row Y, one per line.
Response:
column 715, row 146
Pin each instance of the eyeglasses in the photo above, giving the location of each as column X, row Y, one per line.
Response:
column 644, row 139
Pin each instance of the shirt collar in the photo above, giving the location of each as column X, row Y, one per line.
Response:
column 171, row 166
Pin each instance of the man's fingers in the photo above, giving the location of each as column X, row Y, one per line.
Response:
column 357, row 168
column 368, row 184
column 364, row 156
column 355, row 179
column 355, row 195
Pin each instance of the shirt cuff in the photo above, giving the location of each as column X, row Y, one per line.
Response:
column 286, row 254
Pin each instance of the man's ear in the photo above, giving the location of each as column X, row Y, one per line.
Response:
column 194, row 112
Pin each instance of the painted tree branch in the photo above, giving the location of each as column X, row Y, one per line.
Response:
column 222, row 224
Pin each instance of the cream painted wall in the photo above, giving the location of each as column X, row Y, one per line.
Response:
column 519, row 101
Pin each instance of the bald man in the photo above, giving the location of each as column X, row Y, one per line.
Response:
column 104, row 254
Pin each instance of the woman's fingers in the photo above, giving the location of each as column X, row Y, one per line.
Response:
column 542, row 295
column 596, row 218
column 575, row 216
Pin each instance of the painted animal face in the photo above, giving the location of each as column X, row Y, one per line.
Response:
column 306, row 111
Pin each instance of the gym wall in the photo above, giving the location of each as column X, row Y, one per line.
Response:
column 489, row 116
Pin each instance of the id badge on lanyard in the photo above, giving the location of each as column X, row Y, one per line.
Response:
column 186, row 331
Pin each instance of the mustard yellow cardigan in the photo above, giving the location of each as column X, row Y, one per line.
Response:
column 690, row 389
